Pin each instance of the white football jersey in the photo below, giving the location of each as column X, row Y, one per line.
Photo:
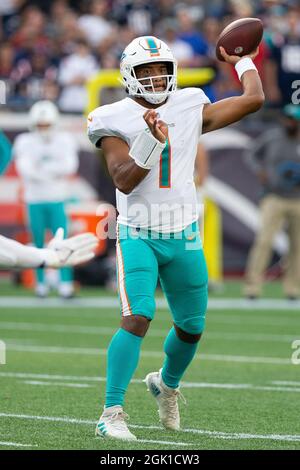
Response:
column 165, row 200
column 43, row 165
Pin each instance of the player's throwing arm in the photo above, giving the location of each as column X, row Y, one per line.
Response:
column 247, row 32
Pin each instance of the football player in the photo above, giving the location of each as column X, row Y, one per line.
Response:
column 149, row 140
column 45, row 157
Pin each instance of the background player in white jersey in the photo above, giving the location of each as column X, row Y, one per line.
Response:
column 45, row 157
column 150, row 142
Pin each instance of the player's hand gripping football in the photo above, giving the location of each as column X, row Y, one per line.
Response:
column 233, row 59
column 71, row 251
column 158, row 128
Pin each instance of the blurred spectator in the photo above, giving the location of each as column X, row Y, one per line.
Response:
column 194, row 8
column 138, row 15
column 284, row 66
column 50, row 91
column 7, row 57
column 10, row 7
column 166, row 8
column 141, row 15
column 31, row 33
column 74, row 71
column 67, row 32
column 94, row 24
column 182, row 51
column 109, row 61
column 32, row 72
column 276, row 158
column 189, row 33
column 124, row 36
column 36, row 28
column 211, row 32
column 241, row 9
column 8, row 15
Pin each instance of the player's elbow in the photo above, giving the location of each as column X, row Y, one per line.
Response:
column 123, row 186
column 124, row 189
column 257, row 102
column 124, row 177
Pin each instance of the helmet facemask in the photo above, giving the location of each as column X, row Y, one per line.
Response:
column 146, row 87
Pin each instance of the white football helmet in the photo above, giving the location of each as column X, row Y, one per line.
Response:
column 43, row 112
column 146, row 50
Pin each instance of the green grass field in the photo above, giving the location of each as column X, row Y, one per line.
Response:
column 242, row 389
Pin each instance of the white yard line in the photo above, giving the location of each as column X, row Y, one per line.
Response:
column 85, row 302
column 213, row 434
column 103, row 352
column 286, row 382
column 224, row 318
column 168, row 443
column 260, row 337
column 16, row 444
column 47, row 379
column 55, row 384
column 112, row 302
column 97, row 331
column 24, row 375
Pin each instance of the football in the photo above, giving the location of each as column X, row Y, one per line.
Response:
column 241, row 37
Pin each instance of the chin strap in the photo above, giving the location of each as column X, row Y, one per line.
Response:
column 155, row 99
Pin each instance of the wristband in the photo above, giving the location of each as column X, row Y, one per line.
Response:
column 146, row 150
column 243, row 66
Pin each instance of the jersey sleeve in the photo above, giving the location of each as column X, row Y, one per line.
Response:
column 18, row 146
column 99, row 126
column 21, row 152
column 71, row 159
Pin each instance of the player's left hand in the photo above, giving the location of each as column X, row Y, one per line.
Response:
column 158, row 128
column 71, row 251
column 233, row 59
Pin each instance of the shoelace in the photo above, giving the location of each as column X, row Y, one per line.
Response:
column 122, row 417
column 172, row 403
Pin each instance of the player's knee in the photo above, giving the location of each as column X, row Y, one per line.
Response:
column 144, row 306
column 187, row 337
column 135, row 324
column 190, row 329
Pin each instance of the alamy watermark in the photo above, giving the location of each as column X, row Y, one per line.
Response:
column 2, row 353
column 2, row 92
column 296, row 354
column 141, row 216
column 296, row 93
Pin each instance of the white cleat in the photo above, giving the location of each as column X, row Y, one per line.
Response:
column 112, row 424
column 41, row 291
column 66, row 290
column 167, row 400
